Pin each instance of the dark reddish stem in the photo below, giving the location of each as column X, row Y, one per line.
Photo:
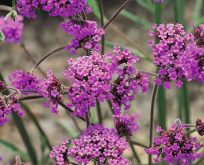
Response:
column 6, row 8
column 152, row 119
column 46, row 56
column 116, row 13
column 189, row 125
column 31, row 57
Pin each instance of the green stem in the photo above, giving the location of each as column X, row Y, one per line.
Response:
column 135, row 153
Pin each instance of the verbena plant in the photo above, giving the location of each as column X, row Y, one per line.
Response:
column 98, row 76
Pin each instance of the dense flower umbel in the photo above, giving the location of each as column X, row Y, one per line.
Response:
column 175, row 145
column 51, row 88
column 167, row 53
column 199, row 35
column 2, row 86
column 5, row 109
column 125, row 124
column 60, row 153
column 22, row 80
column 128, row 81
column 91, row 80
column 101, row 144
column 85, row 34
column 200, row 127
column 11, row 29
column 63, row 8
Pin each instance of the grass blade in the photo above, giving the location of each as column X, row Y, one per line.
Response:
column 142, row 3
column 13, row 148
column 197, row 10
column 22, row 130
column 136, row 19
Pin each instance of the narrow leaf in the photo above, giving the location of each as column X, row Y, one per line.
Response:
column 197, row 10
column 136, row 19
column 68, row 128
column 145, row 5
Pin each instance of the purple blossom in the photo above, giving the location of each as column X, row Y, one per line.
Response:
column 171, row 143
column 125, row 124
column 11, row 29
column 85, row 34
column 159, row 1
column 200, row 127
column 65, row 8
column 51, row 88
column 104, row 144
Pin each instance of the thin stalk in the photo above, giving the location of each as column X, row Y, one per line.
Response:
column 149, row 73
column 154, row 92
column 137, row 143
column 190, row 125
column 46, row 56
column 100, row 118
column 190, row 132
column 6, row 8
column 35, row 121
column 116, row 13
column 110, row 105
column 135, row 153
column 31, row 57
column 102, row 24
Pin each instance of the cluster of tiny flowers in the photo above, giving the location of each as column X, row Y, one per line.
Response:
column 198, row 34
column 125, row 124
column 85, row 34
column 11, row 29
column 63, row 8
column 2, row 86
column 21, row 80
column 126, row 85
column 100, row 144
column 18, row 161
column 51, row 88
column 175, row 145
column 91, row 80
column 60, row 153
column 5, row 109
column 172, row 43
column 200, row 127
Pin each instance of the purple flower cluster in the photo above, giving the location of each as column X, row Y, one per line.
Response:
column 158, row 1
column 125, row 124
column 22, row 80
column 178, row 55
column 60, row 153
column 11, row 29
column 2, row 86
column 5, row 109
column 51, row 88
column 92, row 76
column 86, row 34
column 62, row 8
column 100, row 144
column 175, row 145
column 200, row 127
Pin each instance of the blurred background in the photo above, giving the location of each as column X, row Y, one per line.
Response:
column 43, row 34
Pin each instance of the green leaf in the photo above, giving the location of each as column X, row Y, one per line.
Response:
column 197, row 10
column 13, row 4
column 93, row 112
column 42, row 143
column 2, row 37
column 139, row 54
column 67, row 127
column 94, row 7
column 22, row 130
column 146, row 6
column 13, row 148
column 136, row 19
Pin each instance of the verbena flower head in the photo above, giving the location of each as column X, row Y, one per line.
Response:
column 11, row 29
column 2, row 86
column 158, row 1
column 63, row 8
column 175, row 145
column 22, row 80
column 200, row 127
column 60, row 153
column 168, row 52
column 101, row 144
column 51, row 88
column 91, row 77
column 125, row 124
column 128, row 81
column 85, row 34
column 5, row 109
